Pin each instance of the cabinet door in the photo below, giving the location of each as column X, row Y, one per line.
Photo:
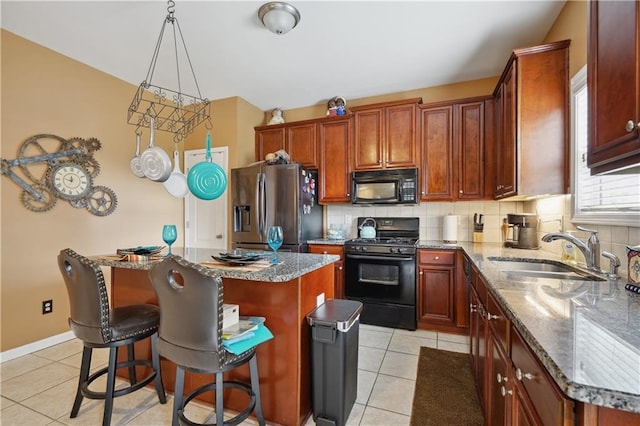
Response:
column 400, row 137
column 436, row 295
column 301, row 144
column 334, row 179
column 498, row 386
column 369, row 137
column 338, row 266
column 613, row 84
column 269, row 140
column 469, row 134
column 436, row 140
column 522, row 413
column 507, row 149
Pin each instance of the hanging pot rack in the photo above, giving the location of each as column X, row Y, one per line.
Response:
column 172, row 110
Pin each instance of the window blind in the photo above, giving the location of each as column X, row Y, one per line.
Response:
column 610, row 195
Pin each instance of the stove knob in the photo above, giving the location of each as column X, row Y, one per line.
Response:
column 400, row 250
column 364, row 248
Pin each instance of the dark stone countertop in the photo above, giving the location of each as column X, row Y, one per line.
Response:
column 291, row 266
column 585, row 333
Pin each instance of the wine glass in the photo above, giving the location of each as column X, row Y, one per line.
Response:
column 169, row 235
column 274, row 239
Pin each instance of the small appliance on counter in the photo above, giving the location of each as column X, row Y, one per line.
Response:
column 524, row 231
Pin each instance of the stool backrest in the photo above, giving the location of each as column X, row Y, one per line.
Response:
column 190, row 299
column 88, row 299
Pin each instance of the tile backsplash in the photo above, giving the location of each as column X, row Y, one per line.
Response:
column 554, row 214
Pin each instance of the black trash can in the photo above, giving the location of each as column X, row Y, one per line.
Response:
column 334, row 360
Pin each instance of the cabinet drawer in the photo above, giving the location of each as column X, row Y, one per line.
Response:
column 498, row 322
column 437, row 257
column 327, row 249
column 547, row 400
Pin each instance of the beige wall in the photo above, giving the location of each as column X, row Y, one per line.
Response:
column 572, row 24
column 47, row 93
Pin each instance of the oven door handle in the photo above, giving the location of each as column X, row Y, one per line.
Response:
column 359, row 257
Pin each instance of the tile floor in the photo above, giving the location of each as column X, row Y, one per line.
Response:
column 39, row 388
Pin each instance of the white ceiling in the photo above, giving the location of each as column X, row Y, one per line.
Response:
column 352, row 49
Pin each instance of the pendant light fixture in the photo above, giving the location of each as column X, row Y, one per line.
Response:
column 171, row 109
column 279, row 17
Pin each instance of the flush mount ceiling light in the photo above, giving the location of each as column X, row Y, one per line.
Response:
column 279, row 17
column 171, row 109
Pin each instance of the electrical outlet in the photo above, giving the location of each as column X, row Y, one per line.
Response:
column 47, row 306
column 319, row 299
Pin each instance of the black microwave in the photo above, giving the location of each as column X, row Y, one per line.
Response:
column 399, row 186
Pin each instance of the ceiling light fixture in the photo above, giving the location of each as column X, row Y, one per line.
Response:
column 172, row 110
column 279, row 17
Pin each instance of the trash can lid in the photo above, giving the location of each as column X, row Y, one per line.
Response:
column 336, row 313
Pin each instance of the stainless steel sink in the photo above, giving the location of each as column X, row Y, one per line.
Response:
column 541, row 268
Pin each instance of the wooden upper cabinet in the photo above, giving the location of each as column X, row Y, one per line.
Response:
column 269, row 139
column 436, row 139
column 613, row 58
column 385, row 135
column 334, row 171
column 298, row 139
column 470, row 136
column 532, row 122
column 301, row 144
column 506, row 178
column 452, row 146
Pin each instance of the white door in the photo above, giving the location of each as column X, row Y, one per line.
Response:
column 206, row 221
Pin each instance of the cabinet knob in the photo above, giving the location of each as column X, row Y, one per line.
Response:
column 520, row 375
column 504, row 391
column 500, row 378
column 436, row 258
column 421, row 273
column 461, row 191
column 324, row 252
column 340, row 268
column 473, row 307
column 490, row 316
column 631, row 125
column 348, row 195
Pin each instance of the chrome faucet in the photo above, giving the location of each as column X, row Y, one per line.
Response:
column 590, row 250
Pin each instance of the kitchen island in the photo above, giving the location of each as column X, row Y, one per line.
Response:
column 282, row 293
column 584, row 333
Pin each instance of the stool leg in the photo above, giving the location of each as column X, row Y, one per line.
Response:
column 131, row 356
column 155, row 360
column 178, row 395
column 255, row 387
column 111, row 382
column 219, row 399
column 84, row 375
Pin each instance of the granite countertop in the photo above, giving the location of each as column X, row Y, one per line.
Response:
column 585, row 333
column 327, row 241
column 291, row 266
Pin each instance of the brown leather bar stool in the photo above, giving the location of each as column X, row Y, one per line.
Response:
column 190, row 335
column 99, row 326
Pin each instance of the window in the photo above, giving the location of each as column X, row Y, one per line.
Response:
column 608, row 199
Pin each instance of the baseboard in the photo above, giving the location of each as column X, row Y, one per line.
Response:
column 35, row 346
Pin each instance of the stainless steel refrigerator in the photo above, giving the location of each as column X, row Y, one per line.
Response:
column 264, row 195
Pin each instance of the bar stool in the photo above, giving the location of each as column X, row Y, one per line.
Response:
column 99, row 326
column 190, row 335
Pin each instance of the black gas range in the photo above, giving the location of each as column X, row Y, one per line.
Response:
column 380, row 272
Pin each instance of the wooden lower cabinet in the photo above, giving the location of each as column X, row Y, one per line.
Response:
column 338, row 278
column 513, row 387
column 437, row 289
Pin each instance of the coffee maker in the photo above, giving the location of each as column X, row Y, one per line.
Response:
column 524, row 231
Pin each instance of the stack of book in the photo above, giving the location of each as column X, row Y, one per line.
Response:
column 245, row 334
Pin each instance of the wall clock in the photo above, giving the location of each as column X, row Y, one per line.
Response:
column 50, row 167
column 70, row 181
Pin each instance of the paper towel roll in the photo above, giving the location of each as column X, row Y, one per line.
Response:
column 450, row 229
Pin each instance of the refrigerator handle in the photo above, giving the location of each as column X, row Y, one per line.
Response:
column 261, row 203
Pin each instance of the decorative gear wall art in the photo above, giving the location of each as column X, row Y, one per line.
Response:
column 57, row 168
